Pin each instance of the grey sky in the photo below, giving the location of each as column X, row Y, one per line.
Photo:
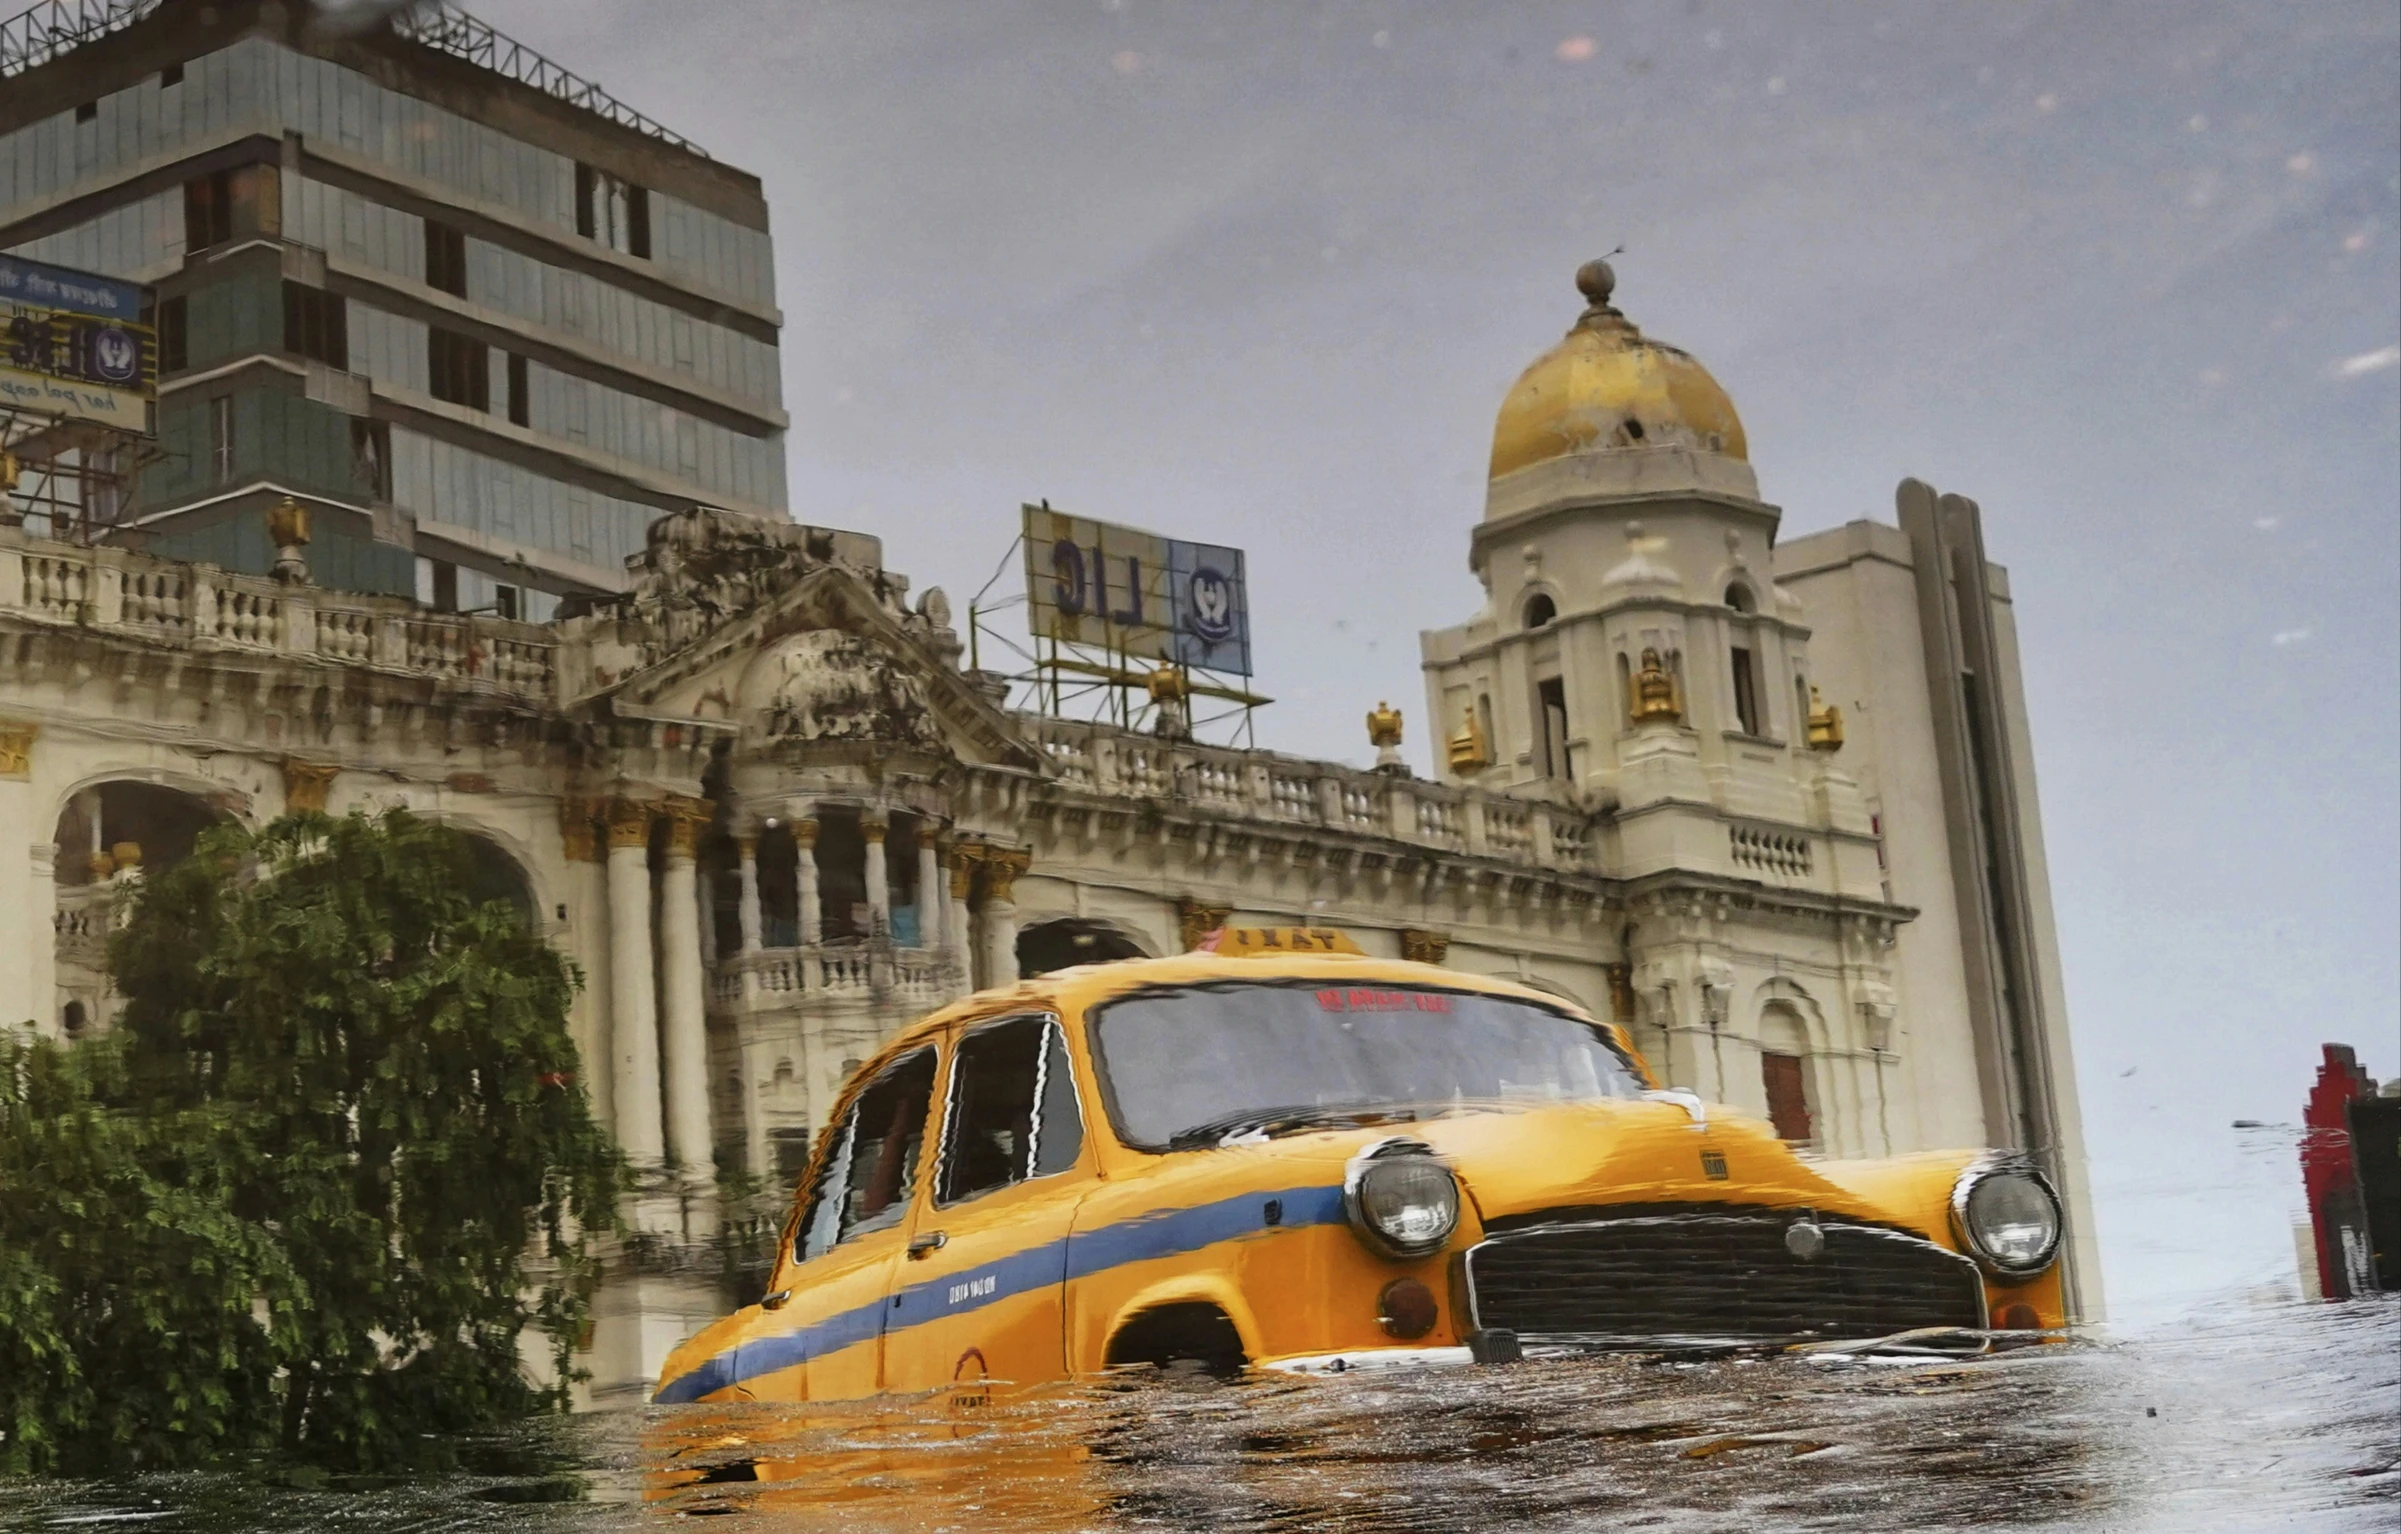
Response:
column 1259, row 271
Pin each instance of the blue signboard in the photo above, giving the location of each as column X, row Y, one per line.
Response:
column 75, row 345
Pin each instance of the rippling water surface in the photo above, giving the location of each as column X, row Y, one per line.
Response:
column 2237, row 1421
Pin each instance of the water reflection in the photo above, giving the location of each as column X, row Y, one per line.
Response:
column 2238, row 1421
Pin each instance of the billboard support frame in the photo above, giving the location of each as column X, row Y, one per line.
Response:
column 1059, row 674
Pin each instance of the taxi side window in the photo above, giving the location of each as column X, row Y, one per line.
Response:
column 865, row 1182
column 1012, row 1109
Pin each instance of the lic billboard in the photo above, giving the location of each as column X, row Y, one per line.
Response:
column 1136, row 594
column 76, row 346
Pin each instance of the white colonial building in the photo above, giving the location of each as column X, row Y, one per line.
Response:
column 1769, row 804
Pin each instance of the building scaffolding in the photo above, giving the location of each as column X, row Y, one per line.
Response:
column 1103, row 685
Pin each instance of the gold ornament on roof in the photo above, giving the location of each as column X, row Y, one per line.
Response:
column 287, row 523
column 1384, row 725
column 1468, row 749
column 1825, row 723
column 1655, row 692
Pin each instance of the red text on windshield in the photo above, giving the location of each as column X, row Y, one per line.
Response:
column 1361, row 999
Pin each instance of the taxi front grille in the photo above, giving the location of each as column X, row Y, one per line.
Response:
column 1714, row 1276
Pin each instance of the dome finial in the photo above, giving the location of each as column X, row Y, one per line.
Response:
column 1596, row 280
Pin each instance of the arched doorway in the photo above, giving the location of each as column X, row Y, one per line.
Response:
column 1792, row 1102
column 492, row 874
column 1069, row 941
column 108, row 836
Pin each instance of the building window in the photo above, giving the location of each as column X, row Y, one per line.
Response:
column 790, row 1150
column 207, row 211
column 220, row 439
column 460, row 368
column 1540, row 610
column 1738, row 597
column 316, row 324
column 1746, row 691
column 445, row 258
column 615, row 213
column 104, row 475
column 1787, row 1101
column 1625, row 687
column 521, row 405
column 371, row 457
column 438, row 585
column 1551, row 699
column 174, row 334
column 505, row 603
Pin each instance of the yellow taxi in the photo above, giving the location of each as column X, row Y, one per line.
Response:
column 1287, row 1154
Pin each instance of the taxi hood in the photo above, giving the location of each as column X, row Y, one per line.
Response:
column 1521, row 1162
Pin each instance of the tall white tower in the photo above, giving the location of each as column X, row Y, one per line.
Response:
column 1635, row 650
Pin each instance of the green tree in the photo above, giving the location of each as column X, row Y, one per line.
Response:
column 330, row 1169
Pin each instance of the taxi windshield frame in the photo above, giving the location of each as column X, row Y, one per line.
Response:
column 1095, row 1016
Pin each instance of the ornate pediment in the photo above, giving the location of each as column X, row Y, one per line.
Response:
column 833, row 684
column 771, row 627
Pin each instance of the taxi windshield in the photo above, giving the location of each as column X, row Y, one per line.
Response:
column 1201, row 1065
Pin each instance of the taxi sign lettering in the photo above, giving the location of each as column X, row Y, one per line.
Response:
column 974, row 1289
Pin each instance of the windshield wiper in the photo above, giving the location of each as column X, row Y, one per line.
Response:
column 1271, row 1121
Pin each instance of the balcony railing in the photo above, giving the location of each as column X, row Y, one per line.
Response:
column 203, row 608
column 871, row 970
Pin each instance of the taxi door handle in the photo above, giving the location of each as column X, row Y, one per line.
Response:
column 776, row 1301
column 924, row 1246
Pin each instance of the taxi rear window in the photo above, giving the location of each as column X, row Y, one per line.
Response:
column 1178, row 1063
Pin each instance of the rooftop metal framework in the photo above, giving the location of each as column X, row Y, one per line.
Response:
column 450, row 30
column 55, row 28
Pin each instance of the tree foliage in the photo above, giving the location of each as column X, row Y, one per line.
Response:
column 328, row 1171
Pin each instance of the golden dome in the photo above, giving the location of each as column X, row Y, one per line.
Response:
column 1606, row 386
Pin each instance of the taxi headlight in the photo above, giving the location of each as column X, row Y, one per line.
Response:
column 2008, row 1215
column 1402, row 1202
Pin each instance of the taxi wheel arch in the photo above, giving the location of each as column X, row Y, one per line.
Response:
column 1184, row 1331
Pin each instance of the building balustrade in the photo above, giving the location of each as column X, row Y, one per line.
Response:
column 202, row 607
column 864, row 969
column 1110, row 762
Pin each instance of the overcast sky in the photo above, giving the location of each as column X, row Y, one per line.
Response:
column 1259, row 272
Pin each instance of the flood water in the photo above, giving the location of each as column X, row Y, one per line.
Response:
column 2242, row 1419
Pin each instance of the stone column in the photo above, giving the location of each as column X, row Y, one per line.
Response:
column 929, row 889
column 961, row 932
column 812, row 918
column 804, row 862
column 588, row 879
column 879, row 880
column 748, row 847
column 633, row 995
column 686, row 1053
column 1002, row 865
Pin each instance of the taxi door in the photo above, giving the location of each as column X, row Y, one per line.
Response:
column 978, row 1298
column 821, row 1336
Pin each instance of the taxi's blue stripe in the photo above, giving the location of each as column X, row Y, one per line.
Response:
column 1081, row 1254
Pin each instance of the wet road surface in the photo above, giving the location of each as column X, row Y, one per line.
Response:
column 2239, row 1420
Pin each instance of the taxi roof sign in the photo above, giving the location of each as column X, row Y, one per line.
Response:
column 1242, row 942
